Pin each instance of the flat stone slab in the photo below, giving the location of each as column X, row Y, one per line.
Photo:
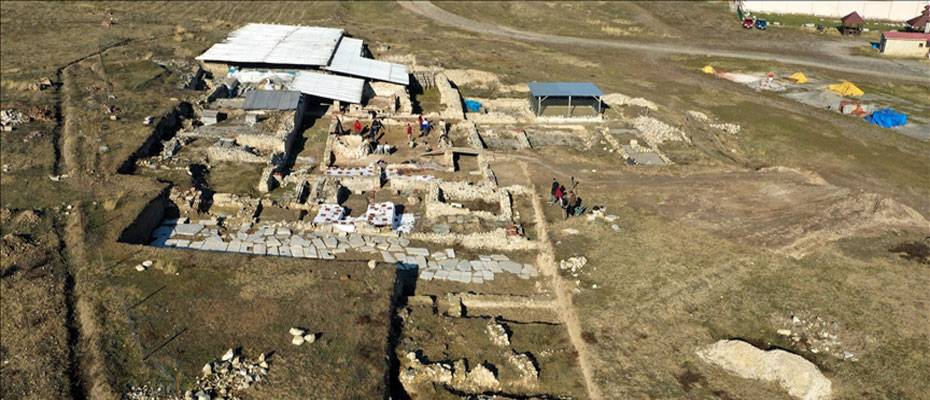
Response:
column 418, row 251
column 426, row 275
column 388, row 257
column 510, row 266
column 187, row 229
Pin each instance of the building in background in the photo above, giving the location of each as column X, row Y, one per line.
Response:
column 905, row 44
column 920, row 23
column 891, row 10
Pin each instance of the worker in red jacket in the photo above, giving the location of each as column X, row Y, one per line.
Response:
column 357, row 127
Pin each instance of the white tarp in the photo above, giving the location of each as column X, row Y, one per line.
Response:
column 380, row 214
column 348, row 60
column 329, row 214
column 329, row 86
column 276, row 44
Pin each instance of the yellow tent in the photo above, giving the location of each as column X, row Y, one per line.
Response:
column 798, row 77
column 708, row 69
column 846, row 88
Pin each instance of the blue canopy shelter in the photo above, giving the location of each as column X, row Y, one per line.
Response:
column 570, row 94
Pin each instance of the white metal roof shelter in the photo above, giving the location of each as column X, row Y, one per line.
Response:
column 276, row 44
column 348, row 60
column 332, row 87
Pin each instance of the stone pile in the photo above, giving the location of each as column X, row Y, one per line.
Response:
column 301, row 336
column 816, row 335
column 221, row 379
column 656, row 132
column 11, row 118
column 727, row 127
column 573, row 265
column 620, row 99
column 144, row 265
column 698, row 115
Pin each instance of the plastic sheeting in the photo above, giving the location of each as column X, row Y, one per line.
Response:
column 798, row 77
column 887, row 118
column 472, row 105
column 846, row 88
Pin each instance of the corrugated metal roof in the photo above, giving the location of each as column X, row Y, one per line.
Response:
column 276, row 44
column 329, row 86
column 920, row 21
column 565, row 89
column 852, row 18
column 348, row 60
column 907, row 36
column 271, row 100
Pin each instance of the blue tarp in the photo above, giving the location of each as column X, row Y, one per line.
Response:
column 564, row 89
column 887, row 118
column 472, row 105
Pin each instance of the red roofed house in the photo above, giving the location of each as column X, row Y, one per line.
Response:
column 905, row 44
column 920, row 23
column 852, row 24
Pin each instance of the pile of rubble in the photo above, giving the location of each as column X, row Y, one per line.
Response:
column 301, row 336
column 697, row 115
column 815, row 335
column 727, row 127
column 10, row 119
column 144, row 265
column 573, row 264
column 220, row 379
column 656, row 132
column 620, row 99
column 598, row 212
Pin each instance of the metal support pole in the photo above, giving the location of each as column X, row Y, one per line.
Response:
column 569, row 106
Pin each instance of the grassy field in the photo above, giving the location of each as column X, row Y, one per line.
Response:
column 667, row 284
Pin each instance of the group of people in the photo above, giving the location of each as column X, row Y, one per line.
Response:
column 566, row 198
column 358, row 128
column 377, row 125
column 425, row 128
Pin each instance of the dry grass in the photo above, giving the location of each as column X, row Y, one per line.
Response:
column 665, row 285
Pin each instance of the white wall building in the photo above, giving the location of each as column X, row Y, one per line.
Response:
column 905, row 44
column 891, row 10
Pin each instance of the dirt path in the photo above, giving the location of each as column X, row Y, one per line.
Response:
column 563, row 302
column 831, row 60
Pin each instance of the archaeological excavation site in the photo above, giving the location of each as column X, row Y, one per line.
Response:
column 454, row 200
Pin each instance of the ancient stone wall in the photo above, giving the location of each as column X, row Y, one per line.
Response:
column 233, row 154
